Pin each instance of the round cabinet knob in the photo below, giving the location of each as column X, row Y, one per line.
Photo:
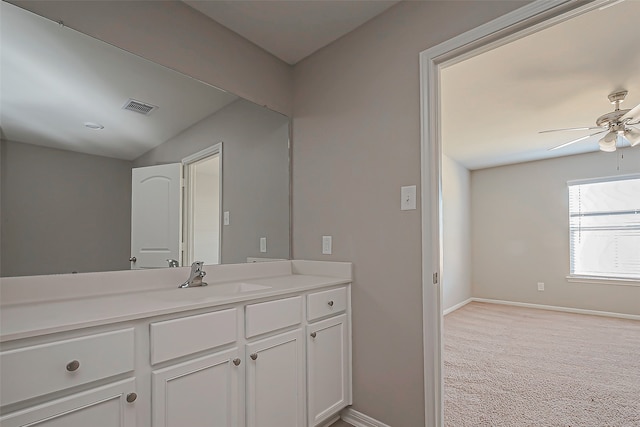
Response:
column 73, row 366
column 313, row 334
column 133, row 259
column 131, row 397
column 237, row 362
column 253, row 356
column 330, row 303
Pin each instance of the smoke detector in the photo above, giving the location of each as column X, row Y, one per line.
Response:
column 94, row 126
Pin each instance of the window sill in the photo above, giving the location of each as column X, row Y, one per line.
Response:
column 603, row 280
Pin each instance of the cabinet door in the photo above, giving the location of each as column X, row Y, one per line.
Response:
column 201, row 392
column 327, row 368
column 275, row 381
column 100, row 407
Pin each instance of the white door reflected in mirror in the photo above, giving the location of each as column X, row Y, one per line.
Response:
column 155, row 215
column 167, row 225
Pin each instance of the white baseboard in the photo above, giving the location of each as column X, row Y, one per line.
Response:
column 330, row 421
column 358, row 419
column 557, row 308
column 457, row 306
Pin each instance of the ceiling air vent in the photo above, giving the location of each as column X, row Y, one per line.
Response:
column 138, row 107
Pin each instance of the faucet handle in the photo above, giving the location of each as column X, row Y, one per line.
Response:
column 195, row 277
column 196, row 268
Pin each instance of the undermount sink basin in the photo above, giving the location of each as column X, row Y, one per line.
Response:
column 228, row 288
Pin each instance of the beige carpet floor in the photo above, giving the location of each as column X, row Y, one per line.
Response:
column 516, row 367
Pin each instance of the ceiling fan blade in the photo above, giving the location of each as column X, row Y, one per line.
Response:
column 560, row 130
column 632, row 115
column 632, row 135
column 577, row 140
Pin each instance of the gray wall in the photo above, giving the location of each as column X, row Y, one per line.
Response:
column 520, row 232
column 173, row 34
column 456, row 221
column 255, row 175
column 356, row 141
column 63, row 211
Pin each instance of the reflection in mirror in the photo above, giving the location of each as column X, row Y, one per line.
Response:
column 203, row 193
column 69, row 145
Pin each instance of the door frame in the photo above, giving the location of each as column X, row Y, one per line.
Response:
column 189, row 200
column 526, row 20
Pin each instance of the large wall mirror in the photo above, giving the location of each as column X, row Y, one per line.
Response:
column 89, row 132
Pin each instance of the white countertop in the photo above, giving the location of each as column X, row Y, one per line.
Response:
column 29, row 319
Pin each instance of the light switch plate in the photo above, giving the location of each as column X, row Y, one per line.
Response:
column 326, row 245
column 263, row 244
column 408, row 198
column 226, row 218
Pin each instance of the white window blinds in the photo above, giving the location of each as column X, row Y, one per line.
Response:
column 604, row 226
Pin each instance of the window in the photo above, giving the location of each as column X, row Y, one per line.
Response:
column 604, row 227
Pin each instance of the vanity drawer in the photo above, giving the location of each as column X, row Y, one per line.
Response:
column 273, row 315
column 326, row 303
column 41, row 369
column 188, row 335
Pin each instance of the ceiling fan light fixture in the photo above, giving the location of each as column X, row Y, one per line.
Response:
column 632, row 135
column 610, row 137
column 608, row 142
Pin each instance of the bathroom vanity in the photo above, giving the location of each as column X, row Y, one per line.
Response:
column 264, row 344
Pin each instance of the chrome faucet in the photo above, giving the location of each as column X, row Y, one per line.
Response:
column 195, row 278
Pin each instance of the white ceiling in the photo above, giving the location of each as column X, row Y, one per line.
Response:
column 291, row 30
column 495, row 104
column 55, row 79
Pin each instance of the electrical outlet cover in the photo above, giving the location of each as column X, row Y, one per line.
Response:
column 326, row 245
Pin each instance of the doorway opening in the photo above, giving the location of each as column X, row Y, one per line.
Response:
column 524, row 21
column 202, row 231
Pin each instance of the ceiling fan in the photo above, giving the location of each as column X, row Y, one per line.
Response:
column 616, row 124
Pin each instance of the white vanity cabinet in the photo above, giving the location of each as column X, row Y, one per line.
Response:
column 57, row 368
column 200, row 392
column 271, row 360
column 108, row 406
column 275, row 381
column 275, row 364
column 328, row 354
